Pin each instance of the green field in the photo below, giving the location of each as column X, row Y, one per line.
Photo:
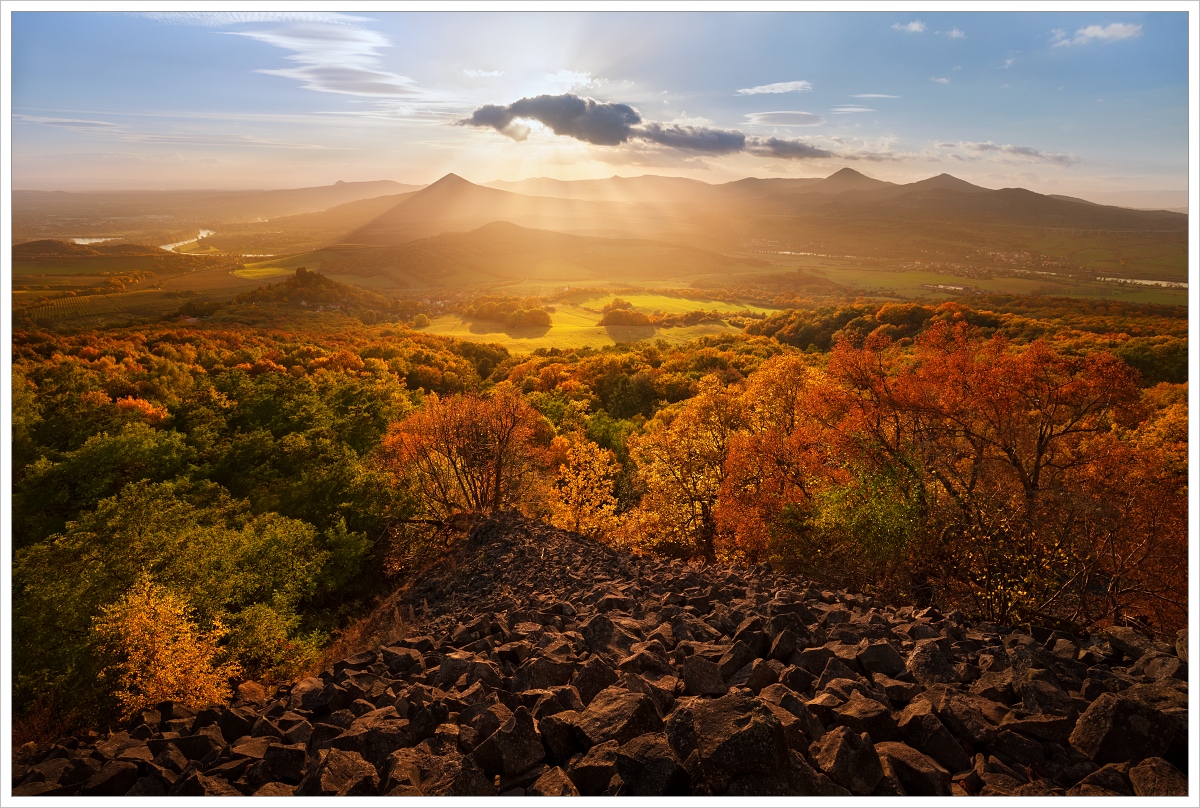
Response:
column 572, row 328
column 95, row 311
column 260, row 273
column 650, row 303
column 910, row 283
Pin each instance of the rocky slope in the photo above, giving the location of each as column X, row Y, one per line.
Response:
column 547, row 664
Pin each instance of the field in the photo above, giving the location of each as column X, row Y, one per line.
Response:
column 573, row 327
column 96, row 311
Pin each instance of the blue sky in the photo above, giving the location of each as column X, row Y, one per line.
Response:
column 1092, row 103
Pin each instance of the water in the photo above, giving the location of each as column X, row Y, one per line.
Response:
column 172, row 246
column 1166, row 284
column 91, row 240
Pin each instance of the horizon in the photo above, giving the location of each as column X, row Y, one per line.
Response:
column 1087, row 104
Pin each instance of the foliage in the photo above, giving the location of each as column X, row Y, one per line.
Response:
column 582, row 499
column 160, row 654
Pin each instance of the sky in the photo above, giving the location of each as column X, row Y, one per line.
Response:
column 1092, row 104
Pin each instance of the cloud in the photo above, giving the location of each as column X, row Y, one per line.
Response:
column 779, row 87
column 693, row 138
column 873, row 95
column 939, row 79
column 1113, row 32
column 786, row 149
column 334, row 58
column 482, row 74
column 74, row 124
column 784, row 118
column 850, row 109
column 1008, row 63
column 914, row 27
column 956, row 33
column 1022, row 153
column 596, row 122
column 606, row 123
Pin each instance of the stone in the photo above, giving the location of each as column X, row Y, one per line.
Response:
column 310, row 694
column 592, row 677
column 338, row 773
column 619, row 715
column 202, row 785
column 648, row 767
column 287, row 762
column 1155, row 777
column 849, row 760
column 880, row 657
column 513, row 748
column 862, row 714
column 553, row 783
column 736, row 658
column 929, row 666
column 923, row 730
column 1115, row 729
column 702, row 677
column 921, row 775
column 592, row 773
column 541, row 673
column 113, row 780
column 251, row 692
column 1129, row 642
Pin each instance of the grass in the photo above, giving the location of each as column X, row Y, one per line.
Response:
column 571, row 327
column 650, row 303
column 262, row 273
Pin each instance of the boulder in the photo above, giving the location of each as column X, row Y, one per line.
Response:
column 1115, row 729
column 850, row 760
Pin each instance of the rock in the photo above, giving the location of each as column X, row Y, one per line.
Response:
column 592, row 677
column 592, row 773
column 114, row 780
column 542, row 673
column 553, row 783
column 1181, row 644
column 618, row 715
column 1164, row 667
column 880, row 657
column 862, row 714
column 310, row 694
column 338, row 773
column 287, row 762
column 850, row 760
column 419, row 771
column 929, row 666
column 920, row 774
column 275, row 790
column 702, row 678
column 513, row 748
column 251, row 692
column 1109, row 780
column 736, row 658
column 648, row 768
column 923, row 730
column 150, row 787
column 1155, row 777
column 1128, row 642
column 1115, row 729
column 738, row 735
column 202, row 785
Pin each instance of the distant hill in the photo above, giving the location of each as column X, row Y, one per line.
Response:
column 454, row 204
column 505, row 251
column 50, row 248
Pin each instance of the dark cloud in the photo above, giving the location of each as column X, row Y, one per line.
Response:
column 597, row 122
column 604, row 123
column 787, row 149
column 693, row 138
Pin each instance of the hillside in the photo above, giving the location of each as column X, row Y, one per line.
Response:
column 536, row 662
column 504, row 251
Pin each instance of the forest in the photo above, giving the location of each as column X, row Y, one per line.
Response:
column 222, row 495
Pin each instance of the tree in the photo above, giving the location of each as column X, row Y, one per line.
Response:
column 159, row 654
column 468, row 453
column 681, row 461
column 583, row 498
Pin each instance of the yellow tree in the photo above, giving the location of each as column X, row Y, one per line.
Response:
column 160, row 654
column 681, row 461
column 583, row 499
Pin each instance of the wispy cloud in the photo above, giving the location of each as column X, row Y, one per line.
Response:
column 849, row 110
column 779, row 87
column 607, row 123
column 939, row 79
column 1021, row 153
column 873, row 95
column 1112, row 32
column 1008, row 62
column 573, row 79
column 74, row 124
column 482, row 74
column 956, row 33
column 331, row 51
column 784, row 118
column 914, row 27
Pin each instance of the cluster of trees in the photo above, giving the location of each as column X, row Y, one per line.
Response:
column 236, row 494
column 514, row 312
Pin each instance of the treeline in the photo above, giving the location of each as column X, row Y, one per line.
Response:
column 256, row 487
column 514, row 312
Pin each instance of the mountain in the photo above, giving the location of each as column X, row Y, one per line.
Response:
column 454, row 204
column 846, row 180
